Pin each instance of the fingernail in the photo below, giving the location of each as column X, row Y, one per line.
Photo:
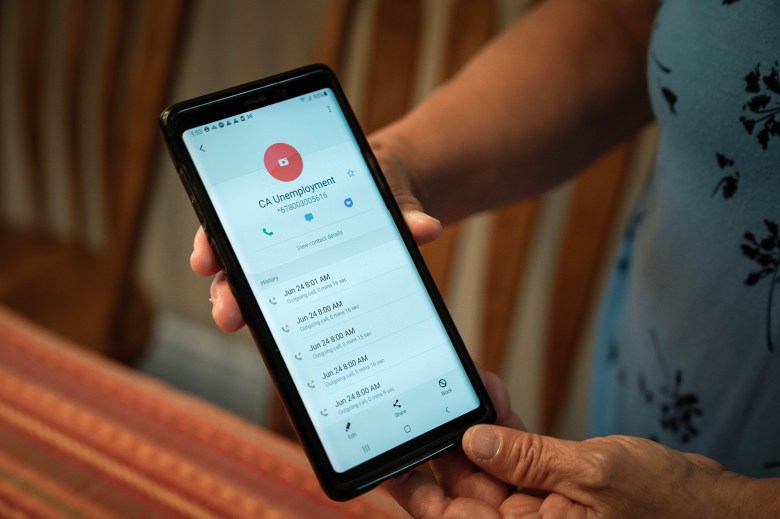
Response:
column 484, row 442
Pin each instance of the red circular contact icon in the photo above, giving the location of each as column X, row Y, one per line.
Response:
column 283, row 162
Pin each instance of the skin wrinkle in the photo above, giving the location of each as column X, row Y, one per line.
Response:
column 525, row 453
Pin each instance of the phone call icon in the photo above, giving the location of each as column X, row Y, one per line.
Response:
column 267, row 232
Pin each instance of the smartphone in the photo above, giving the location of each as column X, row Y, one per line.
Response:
column 347, row 318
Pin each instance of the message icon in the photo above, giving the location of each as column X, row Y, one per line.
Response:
column 308, row 217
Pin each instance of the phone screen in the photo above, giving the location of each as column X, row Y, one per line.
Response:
column 328, row 278
column 357, row 330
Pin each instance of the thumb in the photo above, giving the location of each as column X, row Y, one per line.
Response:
column 524, row 459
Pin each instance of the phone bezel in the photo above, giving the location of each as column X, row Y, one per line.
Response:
column 188, row 115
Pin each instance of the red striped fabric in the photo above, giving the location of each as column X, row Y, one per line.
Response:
column 83, row 437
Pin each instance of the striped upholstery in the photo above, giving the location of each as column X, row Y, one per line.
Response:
column 84, row 437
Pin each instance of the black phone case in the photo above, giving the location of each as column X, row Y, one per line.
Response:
column 189, row 114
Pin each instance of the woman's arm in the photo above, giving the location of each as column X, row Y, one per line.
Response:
column 548, row 96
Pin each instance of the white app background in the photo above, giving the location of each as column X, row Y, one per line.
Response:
column 353, row 322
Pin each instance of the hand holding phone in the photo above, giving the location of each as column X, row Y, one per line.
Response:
column 345, row 315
